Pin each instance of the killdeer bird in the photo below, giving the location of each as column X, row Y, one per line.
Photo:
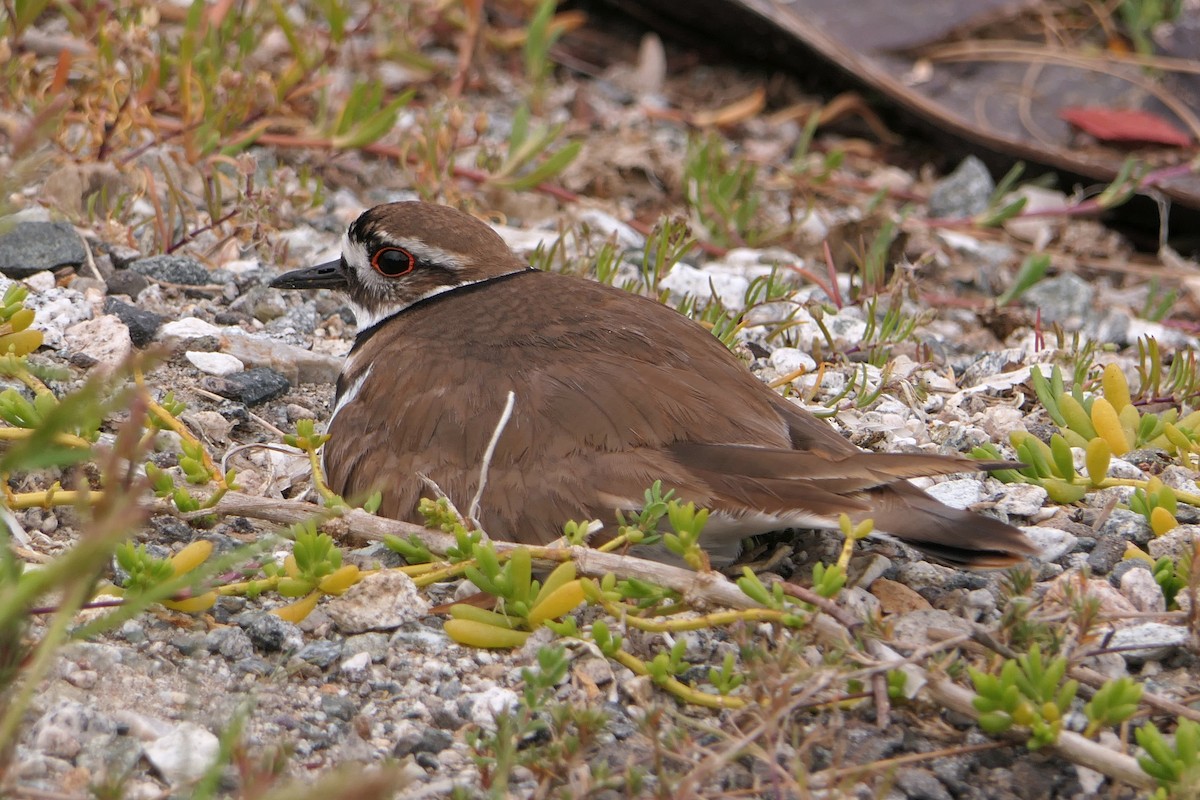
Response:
column 577, row 396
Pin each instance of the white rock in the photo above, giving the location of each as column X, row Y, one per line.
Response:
column 105, row 339
column 1150, row 641
column 524, row 240
column 788, row 360
column 484, row 706
column 183, row 755
column 55, row 311
column 382, row 601
column 241, row 266
column 188, row 328
column 1140, row 588
column 606, row 225
column 1021, row 499
column 730, row 289
column 356, row 666
column 1052, row 543
column 1120, row 468
column 41, row 281
column 1181, row 479
column 1039, row 230
column 215, row 363
column 1174, row 543
column 960, row 493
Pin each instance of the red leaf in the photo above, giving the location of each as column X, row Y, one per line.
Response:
column 1125, row 125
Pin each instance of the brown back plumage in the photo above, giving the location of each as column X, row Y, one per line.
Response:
column 612, row 392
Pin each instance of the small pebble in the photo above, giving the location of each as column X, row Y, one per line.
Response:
column 219, row 364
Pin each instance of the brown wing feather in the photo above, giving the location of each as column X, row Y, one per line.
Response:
column 596, row 438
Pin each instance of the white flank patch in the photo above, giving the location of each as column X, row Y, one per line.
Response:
column 351, row 392
column 347, row 397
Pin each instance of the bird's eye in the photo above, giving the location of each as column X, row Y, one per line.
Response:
column 392, row 261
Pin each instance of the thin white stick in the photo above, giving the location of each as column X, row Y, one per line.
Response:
column 505, row 415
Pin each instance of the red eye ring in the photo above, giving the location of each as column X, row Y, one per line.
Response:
column 392, row 262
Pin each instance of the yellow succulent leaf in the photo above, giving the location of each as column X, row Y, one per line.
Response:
column 1191, row 421
column 192, row 605
column 482, row 615
column 191, row 556
column 297, row 611
column 21, row 319
column 340, row 579
column 559, row 602
column 1162, row 521
column 293, row 587
column 1076, row 416
column 1097, row 459
column 21, row 343
column 1116, row 388
column 562, row 574
column 1074, row 439
column 290, row 567
column 1133, row 551
column 480, row 634
column 1063, row 492
column 1130, row 421
column 1108, row 425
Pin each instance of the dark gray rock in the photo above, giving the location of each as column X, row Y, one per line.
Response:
column 127, row 282
column 339, row 707
column 142, row 324
column 173, row 269
column 31, row 247
column 251, row 387
column 964, row 192
column 233, row 643
column 270, row 633
column 321, row 653
column 1061, row 298
column 920, row 784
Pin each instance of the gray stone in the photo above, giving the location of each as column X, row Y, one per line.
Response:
column 1150, row 641
column 1174, row 543
column 233, row 643
column 270, row 633
column 251, row 387
column 103, row 342
column 127, row 282
column 1061, row 298
column 374, row 645
column 31, row 247
column 1140, row 588
column 142, row 324
column 922, row 784
column 339, row 706
column 964, row 192
column 296, row 326
column 321, row 653
column 64, row 729
column 381, row 601
column 180, row 270
column 294, row 363
column 433, row 740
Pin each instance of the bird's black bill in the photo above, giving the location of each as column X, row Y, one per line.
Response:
column 330, row 275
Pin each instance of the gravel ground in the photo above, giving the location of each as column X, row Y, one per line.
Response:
column 371, row 678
